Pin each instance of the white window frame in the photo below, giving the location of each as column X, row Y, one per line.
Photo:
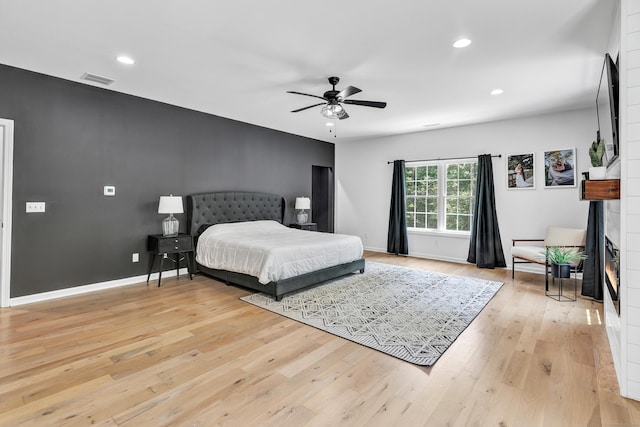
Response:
column 442, row 197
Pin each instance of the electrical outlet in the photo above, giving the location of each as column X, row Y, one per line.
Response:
column 109, row 190
column 135, row 257
column 35, row 207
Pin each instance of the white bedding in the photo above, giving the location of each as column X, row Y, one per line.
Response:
column 271, row 251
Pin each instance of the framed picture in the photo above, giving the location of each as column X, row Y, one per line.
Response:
column 560, row 168
column 521, row 171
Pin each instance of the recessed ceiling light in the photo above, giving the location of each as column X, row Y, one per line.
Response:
column 462, row 43
column 126, row 60
column 497, row 92
column 330, row 124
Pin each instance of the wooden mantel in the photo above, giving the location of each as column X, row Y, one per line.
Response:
column 602, row 189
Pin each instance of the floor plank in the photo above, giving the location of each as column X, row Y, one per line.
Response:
column 192, row 354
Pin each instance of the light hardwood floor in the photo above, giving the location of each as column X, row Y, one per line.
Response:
column 192, row 354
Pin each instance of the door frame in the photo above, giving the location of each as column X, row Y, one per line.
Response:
column 323, row 197
column 7, row 206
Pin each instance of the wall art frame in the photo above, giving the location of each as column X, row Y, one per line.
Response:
column 560, row 168
column 521, row 171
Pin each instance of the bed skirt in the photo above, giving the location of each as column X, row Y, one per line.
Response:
column 284, row 286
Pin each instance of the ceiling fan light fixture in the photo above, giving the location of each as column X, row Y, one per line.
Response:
column 332, row 101
column 331, row 111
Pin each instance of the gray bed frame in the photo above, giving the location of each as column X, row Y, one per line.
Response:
column 206, row 209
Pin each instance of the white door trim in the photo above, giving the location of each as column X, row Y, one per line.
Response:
column 7, row 196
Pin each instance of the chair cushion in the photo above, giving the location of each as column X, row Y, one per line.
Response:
column 535, row 254
column 559, row 236
column 532, row 253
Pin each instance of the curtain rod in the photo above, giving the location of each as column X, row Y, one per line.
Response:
column 444, row 158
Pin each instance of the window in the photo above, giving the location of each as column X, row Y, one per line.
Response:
column 422, row 196
column 440, row 195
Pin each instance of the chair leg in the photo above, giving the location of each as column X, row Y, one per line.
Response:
column 513, row 268
column 546, row 278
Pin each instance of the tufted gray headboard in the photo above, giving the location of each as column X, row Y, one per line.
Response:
column 231, row 206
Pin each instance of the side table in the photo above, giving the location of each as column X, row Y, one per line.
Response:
column 159, row 245
column 310, row 226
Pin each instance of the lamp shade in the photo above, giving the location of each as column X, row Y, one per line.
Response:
column 170, row 205
column 303, row 203
column 332, row 111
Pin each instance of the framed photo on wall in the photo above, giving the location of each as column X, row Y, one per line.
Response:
column 560, row 168
column 521, row 171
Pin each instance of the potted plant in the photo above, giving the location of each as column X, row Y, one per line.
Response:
column 562, row 259
column 596, row 153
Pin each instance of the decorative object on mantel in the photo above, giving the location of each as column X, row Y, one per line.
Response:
column 596, row 153
column 170, row 205
column 302, row 203
column 410, row 314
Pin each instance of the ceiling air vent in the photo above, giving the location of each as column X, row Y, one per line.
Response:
column 97, row 79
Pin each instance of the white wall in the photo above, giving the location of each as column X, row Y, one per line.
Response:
column 364, row 179
column 628, row 363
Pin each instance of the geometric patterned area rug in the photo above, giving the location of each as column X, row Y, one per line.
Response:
column 410, row 314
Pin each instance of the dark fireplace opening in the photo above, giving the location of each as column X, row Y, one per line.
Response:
column 612, row 271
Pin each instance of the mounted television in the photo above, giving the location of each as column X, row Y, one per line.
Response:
column 607, row 109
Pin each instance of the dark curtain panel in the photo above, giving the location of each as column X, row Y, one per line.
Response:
column 485, row 246
column 397, row 240
column 593, row 273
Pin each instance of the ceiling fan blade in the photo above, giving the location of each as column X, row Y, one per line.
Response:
column 306, row 108
column 374, row 104
column 343, row 115
column 305, row 94
column 348, row 91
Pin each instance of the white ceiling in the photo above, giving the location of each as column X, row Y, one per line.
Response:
column 238, row 58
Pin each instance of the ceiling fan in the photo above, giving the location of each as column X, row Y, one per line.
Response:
column 333, row 100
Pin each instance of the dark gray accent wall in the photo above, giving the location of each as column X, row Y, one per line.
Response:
column 73, row 139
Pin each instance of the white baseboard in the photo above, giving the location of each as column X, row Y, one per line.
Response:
column 85, row 289
column 424, row 256
column 373, row 249
column 527, row 268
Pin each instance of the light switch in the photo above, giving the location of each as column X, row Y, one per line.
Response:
column 33, row 207
column 109, row 190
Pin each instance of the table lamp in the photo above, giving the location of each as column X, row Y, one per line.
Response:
column 302, row 203
column 169, row 205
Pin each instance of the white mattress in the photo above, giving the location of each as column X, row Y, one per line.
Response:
column 271, row 251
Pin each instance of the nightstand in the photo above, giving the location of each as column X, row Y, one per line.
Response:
column 160, row 245
column 309, row 226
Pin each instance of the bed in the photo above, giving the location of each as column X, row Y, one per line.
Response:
column 206, row 211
